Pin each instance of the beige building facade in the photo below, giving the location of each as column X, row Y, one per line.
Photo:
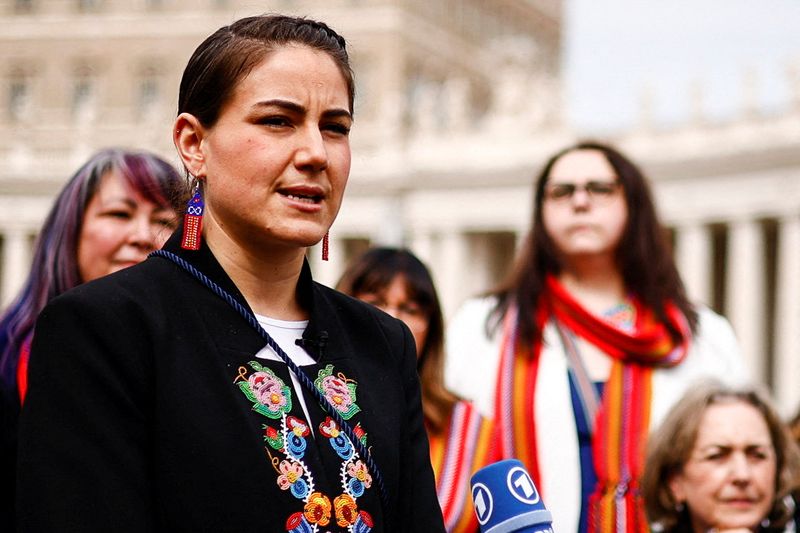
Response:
column 459, row 102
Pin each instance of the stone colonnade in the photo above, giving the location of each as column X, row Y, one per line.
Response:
column 761, row 293
column 20, row 220
column 743, row 260
column 16, row 260
column 746, row 269
column 736, row 240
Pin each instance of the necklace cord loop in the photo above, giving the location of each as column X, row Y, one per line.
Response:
column 301, row 375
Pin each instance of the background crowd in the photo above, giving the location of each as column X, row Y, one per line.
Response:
column 166, row 392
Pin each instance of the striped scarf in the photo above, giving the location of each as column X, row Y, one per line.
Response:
column 622, row 423
column 457, row 452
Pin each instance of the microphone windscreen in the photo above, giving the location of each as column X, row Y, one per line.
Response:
column 505, row 500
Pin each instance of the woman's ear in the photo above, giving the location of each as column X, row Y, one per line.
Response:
column 188, row 134
column 676, row 487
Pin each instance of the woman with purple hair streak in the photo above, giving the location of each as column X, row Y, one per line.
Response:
column 117, row 208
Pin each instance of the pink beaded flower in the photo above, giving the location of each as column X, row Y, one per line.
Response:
column 290, row 473
column 268, row 390
column 359, row 471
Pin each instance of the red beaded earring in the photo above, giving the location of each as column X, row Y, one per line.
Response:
column 325, row 246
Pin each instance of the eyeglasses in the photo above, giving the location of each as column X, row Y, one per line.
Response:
column 595, row 190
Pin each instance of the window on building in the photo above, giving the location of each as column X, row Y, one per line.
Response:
column 19, row 93
column 89, row 5
column 149, row 92
column 23, row 6
column 83, row 99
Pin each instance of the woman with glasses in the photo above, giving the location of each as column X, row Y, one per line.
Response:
column 588, row 342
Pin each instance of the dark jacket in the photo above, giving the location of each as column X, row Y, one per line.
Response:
column 138, row 418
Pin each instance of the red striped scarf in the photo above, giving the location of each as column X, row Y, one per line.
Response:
column 457, row 452
column 623, row 419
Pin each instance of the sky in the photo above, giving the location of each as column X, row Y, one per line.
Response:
column 617, row 50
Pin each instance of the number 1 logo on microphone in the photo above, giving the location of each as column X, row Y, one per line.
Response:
column 484, row 504
column 521, row 486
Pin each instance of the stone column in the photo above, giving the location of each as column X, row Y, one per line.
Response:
column 693, row 256
column 745, row 293
column 786, row 376
column 422, row 245
column 16, row 263
column 454, row 262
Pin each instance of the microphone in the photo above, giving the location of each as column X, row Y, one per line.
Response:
column 506, row 500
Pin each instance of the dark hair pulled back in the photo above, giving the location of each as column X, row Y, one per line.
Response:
column 231, row 52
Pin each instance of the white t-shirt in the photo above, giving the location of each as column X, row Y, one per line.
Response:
column 285, row 333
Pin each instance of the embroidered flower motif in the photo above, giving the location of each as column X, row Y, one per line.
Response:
column 290, row 473
column 272, row 437
column 339, row 441
column 296, row 433
column 318, row 509
column 360, row 434
column 341, row 445
column 346, row 510
column 269, row 394
column 297, row 523
column 355, row 487
column 296, row 445
column 360, row 472
column 340, row 391
column 329, row 428
column 291, row 478
column 267, row 390
column 300, row 489
column 337, row 393
column 364, row 523
column 297, row 426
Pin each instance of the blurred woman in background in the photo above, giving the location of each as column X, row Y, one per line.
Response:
column 117, row 208
column 588, row 342
column 397, row 282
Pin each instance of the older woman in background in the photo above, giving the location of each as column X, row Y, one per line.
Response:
column 114, row 210
column 721, row 460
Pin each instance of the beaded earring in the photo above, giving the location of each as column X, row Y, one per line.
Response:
column 193, row 221
column 325, row 246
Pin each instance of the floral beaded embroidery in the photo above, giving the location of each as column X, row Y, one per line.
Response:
column 318, row 509
column 359, row 478
column 272, row 398
column 269, row 394
column 354, row 474
column 291, row 478
column 296, row 436
column 338, row 390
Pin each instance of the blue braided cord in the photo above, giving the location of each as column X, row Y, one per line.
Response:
column 301, row 375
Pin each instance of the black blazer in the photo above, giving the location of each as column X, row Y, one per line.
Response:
column 137, row 417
